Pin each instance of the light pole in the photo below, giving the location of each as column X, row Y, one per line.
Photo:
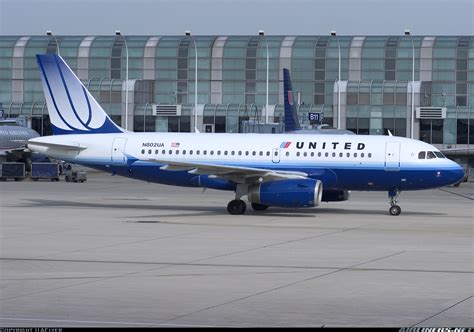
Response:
column 188, row 34
column 407, row 33
column 50, row 33
column 333, row 33
column 261, row 33
column 117, row 33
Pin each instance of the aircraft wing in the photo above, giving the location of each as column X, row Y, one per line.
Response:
column 64, row 146
column 15, row 152
column 237, row 174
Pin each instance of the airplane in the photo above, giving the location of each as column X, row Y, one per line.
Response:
column 13, row 138
column 278, row 170
column 292, row 124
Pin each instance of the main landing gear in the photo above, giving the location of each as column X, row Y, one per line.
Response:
column 238, row 206
column 394, row 210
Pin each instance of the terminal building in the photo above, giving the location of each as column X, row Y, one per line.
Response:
column 414, row 86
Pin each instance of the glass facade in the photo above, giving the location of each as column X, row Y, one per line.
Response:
column 376, row 85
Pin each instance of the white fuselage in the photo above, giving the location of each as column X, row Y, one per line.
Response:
column 339, row 154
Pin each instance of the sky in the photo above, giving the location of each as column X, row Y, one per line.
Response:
column 237, row 17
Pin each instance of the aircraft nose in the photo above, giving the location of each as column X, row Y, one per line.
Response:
column 455, row 174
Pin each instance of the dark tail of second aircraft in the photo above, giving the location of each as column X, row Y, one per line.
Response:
column 291, row 118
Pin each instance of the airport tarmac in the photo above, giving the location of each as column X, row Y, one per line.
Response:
column 119, row 252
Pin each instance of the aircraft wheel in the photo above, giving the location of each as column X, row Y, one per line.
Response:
column 236, row 206
column 259, row 207
column 395, row 210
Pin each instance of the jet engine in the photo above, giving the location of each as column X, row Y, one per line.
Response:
column 287, row 193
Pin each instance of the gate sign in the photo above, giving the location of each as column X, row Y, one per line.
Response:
column 315, row 116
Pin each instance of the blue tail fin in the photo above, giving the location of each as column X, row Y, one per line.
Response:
column 72, row 109
column 291, row 118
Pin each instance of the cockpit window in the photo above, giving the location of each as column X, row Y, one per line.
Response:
column 430, row 155
column 422, row 155
column 439, row 154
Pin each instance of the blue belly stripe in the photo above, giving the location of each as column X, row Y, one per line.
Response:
column 338, row 177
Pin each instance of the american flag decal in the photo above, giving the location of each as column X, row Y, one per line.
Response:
column 285, row 145
column 175, row 145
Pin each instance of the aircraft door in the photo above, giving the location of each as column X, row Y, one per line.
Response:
column 276, row 155
column 118, row 151
column 392, row 156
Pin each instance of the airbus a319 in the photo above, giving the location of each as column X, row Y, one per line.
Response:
column 282, row 170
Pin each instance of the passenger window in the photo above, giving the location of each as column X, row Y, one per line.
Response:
column 312, row 154
column 430, row 155
column 287, row 154
column 240, row 153
column 143, row 151
column 362, row 155
column 184, row 151
column 170, row 151
column 211, row 152
column 305, row 154
column 177, row 151
column 326, row 154
column 219, row 152
column 204, row 152
column 198, row 152
column 298, row 154
column 334, row 154
column 261, row 153
column 319, row 154
column 355, row 154
column 149, row 151
column 370, row 155
column 225, row 153
column 232, row 153
column 422, row 155
column 246, row 153
column 341, row 154
column 156, row 151
column 254, row 153
column 190, row 151
column 268, row 153
column 163, row 151
column 348, row 155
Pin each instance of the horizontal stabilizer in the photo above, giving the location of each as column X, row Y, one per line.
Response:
column 63, row 146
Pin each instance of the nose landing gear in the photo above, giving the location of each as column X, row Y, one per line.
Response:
column 394, row 210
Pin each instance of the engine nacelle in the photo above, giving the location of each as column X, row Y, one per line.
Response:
column 287, row 193
column 335, row 195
